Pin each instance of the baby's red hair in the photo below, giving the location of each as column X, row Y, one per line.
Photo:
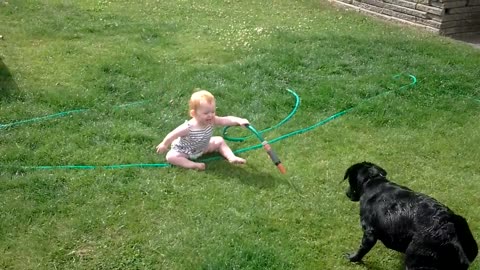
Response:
column 198, row 96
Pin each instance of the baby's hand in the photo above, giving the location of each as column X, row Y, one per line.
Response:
column 243, row 122
column 161, row 148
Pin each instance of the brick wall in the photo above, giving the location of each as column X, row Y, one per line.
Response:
column 455, row 18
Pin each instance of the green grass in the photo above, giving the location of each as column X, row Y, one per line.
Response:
column 62, row 55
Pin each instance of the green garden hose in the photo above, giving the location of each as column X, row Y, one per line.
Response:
column 258, row 134
column 62, row 114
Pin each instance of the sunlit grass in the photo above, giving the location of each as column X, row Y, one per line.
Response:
column 58, row 56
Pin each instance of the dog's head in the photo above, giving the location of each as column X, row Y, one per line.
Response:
column 358, row 174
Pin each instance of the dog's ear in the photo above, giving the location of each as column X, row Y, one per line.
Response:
column 369, row 171
column 375, row 170
column 345, row 177
column 363, row 175
column 347, row 172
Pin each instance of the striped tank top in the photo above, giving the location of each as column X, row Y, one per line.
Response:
column 195, row 142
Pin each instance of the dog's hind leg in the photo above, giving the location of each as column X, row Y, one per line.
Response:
column 465, row 237
column 427, row 254
column 368, row 241
column 421, row 254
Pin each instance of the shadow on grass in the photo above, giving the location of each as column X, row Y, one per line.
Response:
column 368, row 265
column 246, row 256
column 248, row 175
column 8, row 87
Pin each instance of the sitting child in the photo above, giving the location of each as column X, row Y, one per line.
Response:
column 194, row 138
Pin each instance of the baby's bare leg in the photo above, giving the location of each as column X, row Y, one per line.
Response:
column 179, row 159
column 217, row 144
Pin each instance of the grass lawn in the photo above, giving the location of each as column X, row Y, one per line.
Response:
column 122, row 72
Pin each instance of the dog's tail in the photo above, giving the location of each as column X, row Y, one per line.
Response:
column 465, row 237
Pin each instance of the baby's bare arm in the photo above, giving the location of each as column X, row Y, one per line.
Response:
column 230, row 121
column 181, row 130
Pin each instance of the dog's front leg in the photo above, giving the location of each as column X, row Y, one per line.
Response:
column 368, row 241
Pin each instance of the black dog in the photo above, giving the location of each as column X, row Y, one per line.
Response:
column 429, row 234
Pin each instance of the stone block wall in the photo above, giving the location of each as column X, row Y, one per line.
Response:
column 454, row 18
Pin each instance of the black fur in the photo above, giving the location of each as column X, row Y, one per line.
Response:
column 429, row 234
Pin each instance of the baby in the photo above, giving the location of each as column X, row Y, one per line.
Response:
column 194, row 138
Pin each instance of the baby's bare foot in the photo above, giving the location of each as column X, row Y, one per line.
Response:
column 237, row 160
column 200, row 166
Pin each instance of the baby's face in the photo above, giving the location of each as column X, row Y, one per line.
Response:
column 205, row 113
